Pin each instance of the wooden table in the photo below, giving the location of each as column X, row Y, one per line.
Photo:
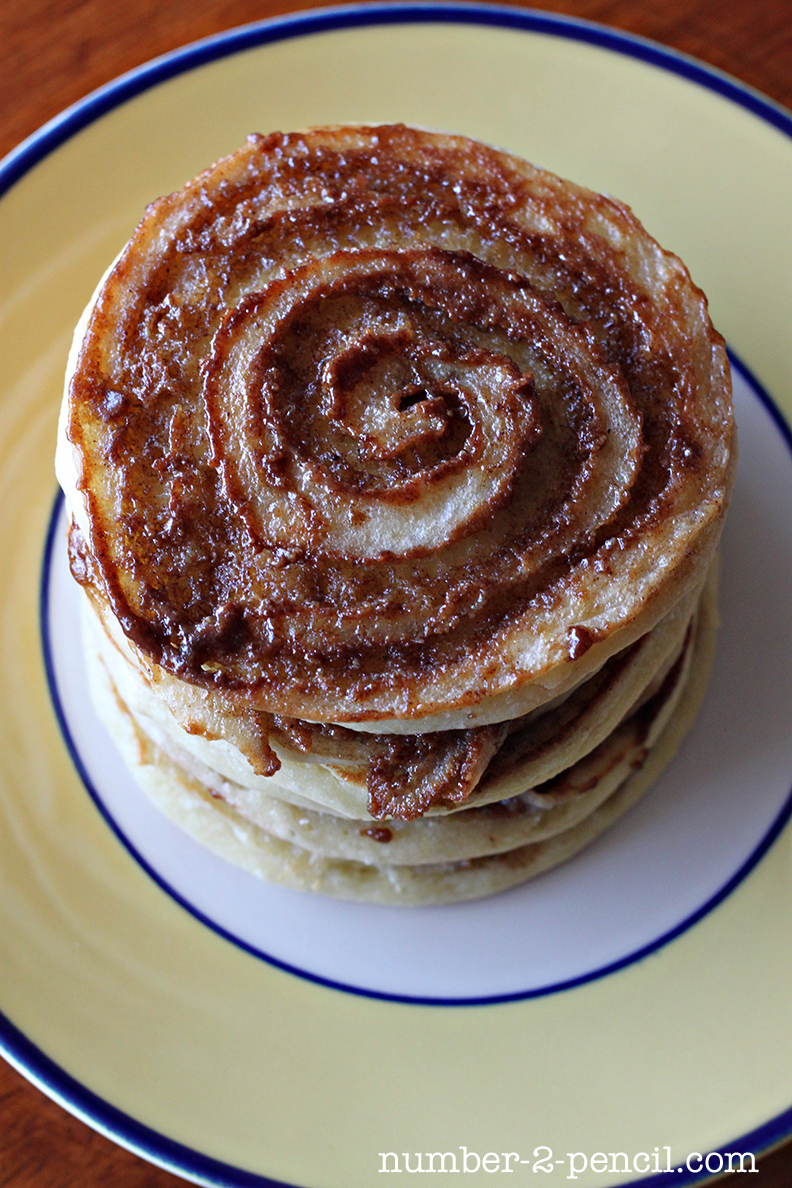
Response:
column 52, row 52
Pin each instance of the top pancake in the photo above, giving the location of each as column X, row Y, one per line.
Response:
column 387, row 428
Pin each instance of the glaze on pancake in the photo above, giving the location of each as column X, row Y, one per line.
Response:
column 387, row 428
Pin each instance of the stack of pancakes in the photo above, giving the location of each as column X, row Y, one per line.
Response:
column 396, row 469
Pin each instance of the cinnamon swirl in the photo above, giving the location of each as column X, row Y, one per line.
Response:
column 396, row 469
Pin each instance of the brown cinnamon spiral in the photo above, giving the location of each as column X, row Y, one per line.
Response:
column 375, row 425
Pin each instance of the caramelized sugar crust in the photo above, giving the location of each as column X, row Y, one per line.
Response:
column 378, row 424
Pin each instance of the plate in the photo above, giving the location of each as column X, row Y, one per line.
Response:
column 636, row 1001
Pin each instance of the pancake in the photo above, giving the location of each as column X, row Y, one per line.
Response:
column 385, row 428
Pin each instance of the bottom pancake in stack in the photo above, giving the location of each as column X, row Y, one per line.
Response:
column 529, row 793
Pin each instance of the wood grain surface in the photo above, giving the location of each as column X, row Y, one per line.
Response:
column 52, row 52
